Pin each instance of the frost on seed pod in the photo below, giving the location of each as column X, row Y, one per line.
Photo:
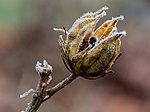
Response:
column 88, row 52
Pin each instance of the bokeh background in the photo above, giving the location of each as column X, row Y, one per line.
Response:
column 26, row 36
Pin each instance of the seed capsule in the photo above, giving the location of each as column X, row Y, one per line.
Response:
column 88, row 52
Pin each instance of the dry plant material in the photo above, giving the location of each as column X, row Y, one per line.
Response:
column 86, row 52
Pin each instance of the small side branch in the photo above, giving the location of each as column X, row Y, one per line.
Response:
column 61, row 85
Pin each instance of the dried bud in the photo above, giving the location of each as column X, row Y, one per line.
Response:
column 88, row 52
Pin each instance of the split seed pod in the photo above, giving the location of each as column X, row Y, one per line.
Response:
column 88, row 52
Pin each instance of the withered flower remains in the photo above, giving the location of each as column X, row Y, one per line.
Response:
column 88, row 52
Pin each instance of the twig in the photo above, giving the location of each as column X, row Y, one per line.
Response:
column 42, row 93
column 61, row 85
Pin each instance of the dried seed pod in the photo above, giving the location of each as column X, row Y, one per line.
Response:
column 88, row 52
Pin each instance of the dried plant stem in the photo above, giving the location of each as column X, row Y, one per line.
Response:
column 42, row 92
column 61, row 85
column 38, row 96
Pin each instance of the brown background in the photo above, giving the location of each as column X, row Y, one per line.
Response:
column 26, row 36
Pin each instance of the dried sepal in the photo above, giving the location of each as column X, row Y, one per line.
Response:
column 83, row 35
column 81, row 22
column 98, row 59
column 64, row 53
column 106, row 28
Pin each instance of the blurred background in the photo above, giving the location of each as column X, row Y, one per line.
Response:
column 26, row 36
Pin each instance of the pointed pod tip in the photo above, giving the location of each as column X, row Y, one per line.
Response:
column 102, row 9
column 60, row 36
column 54, row 29
column 101, row 15
column 121, row 17
column 106, row 7
column 124, row 33
column 58, row 29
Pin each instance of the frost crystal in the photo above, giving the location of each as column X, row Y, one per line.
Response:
column 78, row 21
column 47, row 96
column 90, row 14
column 123, row 33
column 102, row 9
column 26, row 93
column 118, row 18
column 49, row 79
column 101, row 15
column 45, row 68
column 58, row 29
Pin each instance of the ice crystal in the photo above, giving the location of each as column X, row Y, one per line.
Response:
column 26, row 93
column 45, row 68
